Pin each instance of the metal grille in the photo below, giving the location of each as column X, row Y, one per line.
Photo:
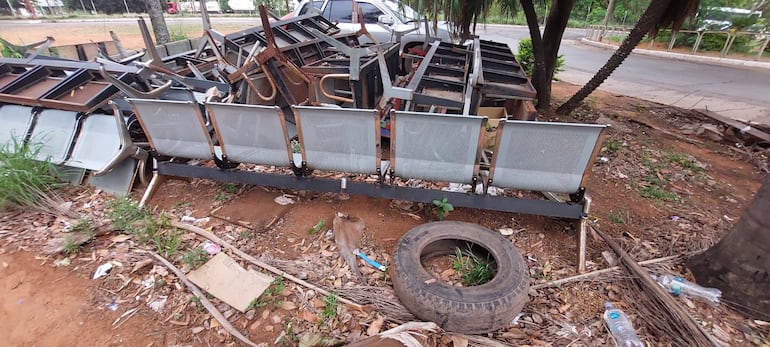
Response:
column 251, row 134
column 436, row 147
column 339, row 139
column 548, row 157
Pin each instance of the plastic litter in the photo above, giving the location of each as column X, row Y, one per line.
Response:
column 370, row 261
column 112, row 307
column 158, row 304
column 284, row 200
column 102, row 270
column 211, row 248
column 679, row 286
column 620, row 327
column 193, row 220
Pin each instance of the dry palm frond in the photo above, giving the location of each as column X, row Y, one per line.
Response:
column 382, row 298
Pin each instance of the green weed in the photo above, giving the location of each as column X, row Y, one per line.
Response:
column 198, row 305
column 685, row 161
column 83, row 225
column 617, row 217
column 167, row 243
column 220, row 197
column 126, row 214
column 472, row 269
column 655, row 192
column 24, row 180
column 329, row 311
column 194, row 258
column 177, row 35
column 271, row 295
column 442, row 208
column 613, row 145
column 71, row 247
column 317, row 227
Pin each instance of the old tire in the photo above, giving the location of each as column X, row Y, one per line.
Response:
column 472, row 310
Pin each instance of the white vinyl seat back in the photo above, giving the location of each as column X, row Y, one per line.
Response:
column 15, row 121
column 438, row 147
column 339, row 139
column 543, row 156
column 174, row 128
column 54, row 133
column 251, row 134
column 97, row 144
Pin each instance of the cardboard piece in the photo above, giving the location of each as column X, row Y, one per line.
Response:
column 494, row 115
column 223, row 278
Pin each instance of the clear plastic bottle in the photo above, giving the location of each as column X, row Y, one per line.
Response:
column 679, row 286
column 620, row 327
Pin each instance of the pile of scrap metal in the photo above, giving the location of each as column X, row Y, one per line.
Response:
column 298, row 94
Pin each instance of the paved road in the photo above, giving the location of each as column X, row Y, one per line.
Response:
column 739, row 92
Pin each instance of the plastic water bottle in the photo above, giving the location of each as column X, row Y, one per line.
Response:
column 620, row 327
column 679, row 286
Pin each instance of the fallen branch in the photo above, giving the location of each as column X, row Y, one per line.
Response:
column 600, row 272
column 677, row 317
column 204, row 301
column 238, row 252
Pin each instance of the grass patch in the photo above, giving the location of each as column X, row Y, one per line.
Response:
column 655, row 192
column 83, row 225
column 126, row 215
column 473, row 269
column 617, row 217
column 613, row 145
column 329, row 311
column 317, row 227
column 71, row 247
column 167, row 243
column 198, row 305
column 685, row 161
column 194, row 258
column 25, row 181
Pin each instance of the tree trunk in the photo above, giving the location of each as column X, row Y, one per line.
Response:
column 607, row 17
column 552, row 34
column 539, row 77
column 652, row 15
column 739, row 264
column 155, row 12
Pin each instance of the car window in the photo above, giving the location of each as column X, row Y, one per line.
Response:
column 339, row 11
column 306, row 7
column 371, row 12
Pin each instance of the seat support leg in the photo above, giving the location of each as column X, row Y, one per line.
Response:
column 582, row 234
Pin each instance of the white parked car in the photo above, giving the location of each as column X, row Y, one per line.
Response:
column 386, row 20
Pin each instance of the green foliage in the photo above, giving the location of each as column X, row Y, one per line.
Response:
column 167, row 242
column 656, row 192
column 526, row 57
column 83, row 225
column 685, row 161
column 177, row 35
column 70, row 246
column 317, row 227
column 194, row 258
column 442, row 208
column 331, row 301
column 126, row 215
column 617, row 217
column 271, row 295
column 472, row 269
column 613, row 145
column 24, row 181
column 8, row 52
column 198, row 305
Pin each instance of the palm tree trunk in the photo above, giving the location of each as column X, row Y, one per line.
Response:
column 155, row 12
column 652, row 15
column 555, row 24
column 539, row 76
column 739, row 264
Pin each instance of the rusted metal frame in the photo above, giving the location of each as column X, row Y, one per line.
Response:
column 272, row 59
column 155, row 58
column 413, row 84
column 31, row 86
column 82, row 81
column 496, row 203
column 67, row 64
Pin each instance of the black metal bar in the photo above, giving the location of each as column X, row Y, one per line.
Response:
column 497, row 203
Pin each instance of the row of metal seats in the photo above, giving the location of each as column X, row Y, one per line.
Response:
column 537, row 156
column 96, row 142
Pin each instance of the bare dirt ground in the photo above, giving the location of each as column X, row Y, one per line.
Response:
column 658, row 189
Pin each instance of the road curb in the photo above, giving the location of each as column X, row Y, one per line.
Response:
column 685, row 57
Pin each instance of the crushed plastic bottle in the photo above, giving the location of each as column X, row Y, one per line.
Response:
column 679, row 286
column 620, row 327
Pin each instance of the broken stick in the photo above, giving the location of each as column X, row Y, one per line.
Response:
column 599, row 272
column 256, row 262
column 204, row 301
